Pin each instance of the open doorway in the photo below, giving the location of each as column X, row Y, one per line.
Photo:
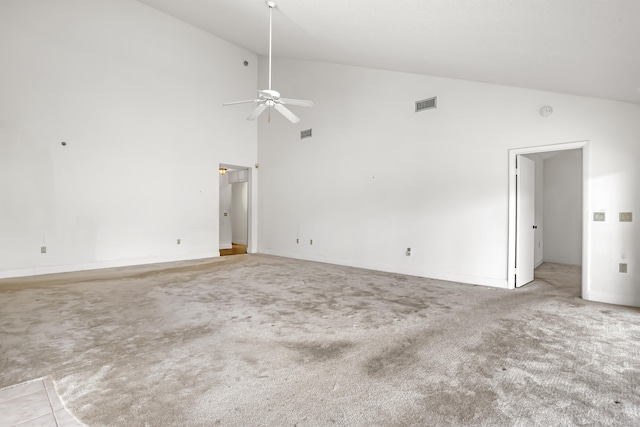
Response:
column 555, row 231
column 234, row 210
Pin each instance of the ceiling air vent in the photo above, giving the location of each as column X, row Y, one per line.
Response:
column 305, row 134
column 426, row 104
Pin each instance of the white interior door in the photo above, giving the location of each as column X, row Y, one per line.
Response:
column 239, row 212
column 525, row 220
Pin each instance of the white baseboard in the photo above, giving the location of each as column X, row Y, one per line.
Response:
column 446, row 276
column 629, row 300
column 54, row 269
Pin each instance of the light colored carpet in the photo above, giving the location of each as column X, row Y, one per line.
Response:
column 260, row 340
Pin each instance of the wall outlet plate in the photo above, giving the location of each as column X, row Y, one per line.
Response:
column 625, row 217
column 43, row 249
column 622, row 267
column 598, row 216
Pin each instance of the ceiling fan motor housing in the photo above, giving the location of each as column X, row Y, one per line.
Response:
column 269, row 98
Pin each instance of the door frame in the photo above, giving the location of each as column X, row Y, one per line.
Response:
column 586, row 229
column 252, row 220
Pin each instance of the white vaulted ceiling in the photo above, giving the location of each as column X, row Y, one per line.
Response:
column 581, row 47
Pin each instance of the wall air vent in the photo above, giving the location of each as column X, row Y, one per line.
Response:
column 305, row 134
column 426, row 104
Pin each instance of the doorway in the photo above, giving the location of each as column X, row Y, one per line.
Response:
column 234, row 210
column 525, row 251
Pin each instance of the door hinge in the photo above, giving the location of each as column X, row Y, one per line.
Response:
column 515, row 271
column 517, row 171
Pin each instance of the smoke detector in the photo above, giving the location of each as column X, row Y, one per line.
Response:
column 546, row 111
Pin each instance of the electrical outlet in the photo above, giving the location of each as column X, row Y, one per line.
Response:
column 622, row 267
column 625, row 217
column 43, row 249
column 311, row 242
column 178, row 242
column 297, row 241
column 598, row 216
column 408, row 253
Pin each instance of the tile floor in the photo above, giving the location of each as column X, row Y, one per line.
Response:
column 33, row 404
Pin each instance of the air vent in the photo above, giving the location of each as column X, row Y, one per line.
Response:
column 426, row 104
column 305, row 134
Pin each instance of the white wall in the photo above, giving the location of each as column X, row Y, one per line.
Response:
column 563, row 208
column 226, row 197
column 377, row 177
column 137, row 96
column 239, row 212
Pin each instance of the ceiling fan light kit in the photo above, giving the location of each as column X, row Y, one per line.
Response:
column 268, row 98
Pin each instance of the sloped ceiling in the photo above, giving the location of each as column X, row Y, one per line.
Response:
column 581, row 47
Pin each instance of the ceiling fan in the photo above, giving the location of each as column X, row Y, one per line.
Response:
column 268, row 98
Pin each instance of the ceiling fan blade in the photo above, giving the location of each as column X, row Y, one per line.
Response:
column 240, row 102
column 257, row 112
column 287, row 113
column 297, row 102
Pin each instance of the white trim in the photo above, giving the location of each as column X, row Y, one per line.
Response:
column 586, row 221
column 628, row 300
column 252, row 209
column 446, row 276
column 586, row 230
column 55, row 269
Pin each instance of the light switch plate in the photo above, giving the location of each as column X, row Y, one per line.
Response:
column 625, row 217
column 598, row 216
column 622, row 267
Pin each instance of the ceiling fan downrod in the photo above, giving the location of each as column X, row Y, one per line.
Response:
column 268, row 98
column 272, row 6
